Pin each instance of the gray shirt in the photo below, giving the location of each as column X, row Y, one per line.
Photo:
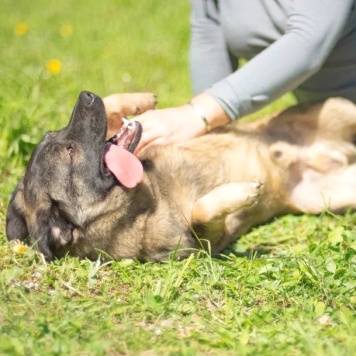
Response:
column 304, row 46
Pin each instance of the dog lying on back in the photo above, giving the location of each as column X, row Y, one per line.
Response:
column 84, row 195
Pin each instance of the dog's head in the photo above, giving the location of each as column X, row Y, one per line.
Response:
column 70, row 172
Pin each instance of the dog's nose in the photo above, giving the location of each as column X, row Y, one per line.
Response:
column 87, row 97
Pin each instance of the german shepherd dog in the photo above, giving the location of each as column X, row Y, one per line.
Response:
column 85, row 195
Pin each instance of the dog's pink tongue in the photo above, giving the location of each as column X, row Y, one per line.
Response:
column 125, row 166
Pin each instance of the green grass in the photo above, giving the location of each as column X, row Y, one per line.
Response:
column 285, row 288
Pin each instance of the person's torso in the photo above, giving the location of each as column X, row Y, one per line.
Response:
column 250, row 26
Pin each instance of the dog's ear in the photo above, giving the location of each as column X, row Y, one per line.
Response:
column 16, row 227
column 38, row 228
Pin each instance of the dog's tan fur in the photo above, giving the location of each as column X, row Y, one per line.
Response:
column 217, row 186
column 118, row 106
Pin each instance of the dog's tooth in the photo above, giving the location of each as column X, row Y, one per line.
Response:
column 131, row 126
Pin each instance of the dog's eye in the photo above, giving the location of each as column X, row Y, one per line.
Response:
column 70, row 150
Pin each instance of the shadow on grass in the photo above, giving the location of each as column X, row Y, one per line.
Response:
column 251, row 253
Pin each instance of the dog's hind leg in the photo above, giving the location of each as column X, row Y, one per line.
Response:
column 317, row 192
column 223, row 200
column 211, row 214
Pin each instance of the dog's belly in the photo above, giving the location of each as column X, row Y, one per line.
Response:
column 218, row 186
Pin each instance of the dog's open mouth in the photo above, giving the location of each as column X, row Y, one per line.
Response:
column 119, row 158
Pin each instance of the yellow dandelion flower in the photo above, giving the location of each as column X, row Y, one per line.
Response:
column 21, row 29
column 19, row 248
column 66, row 30
column 54, row 66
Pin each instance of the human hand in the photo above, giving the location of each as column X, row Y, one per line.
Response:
column 171, row 125
column 178, row 124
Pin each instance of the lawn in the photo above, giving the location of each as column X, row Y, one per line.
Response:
column 285, row 288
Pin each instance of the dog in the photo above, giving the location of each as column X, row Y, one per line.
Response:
column 85, row 195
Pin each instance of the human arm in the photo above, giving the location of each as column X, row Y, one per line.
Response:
column 212, row 62
column 312, row 30
column 181, row 123
column 209, row 58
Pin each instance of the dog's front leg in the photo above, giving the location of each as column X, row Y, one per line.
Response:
column 118, row 106
column 223, row 200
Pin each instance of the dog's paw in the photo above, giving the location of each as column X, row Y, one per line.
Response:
column 118, row 106
column 126, row 104
column 147, row 101
column 251, row 191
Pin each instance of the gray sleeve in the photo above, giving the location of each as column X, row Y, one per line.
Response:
column 208, row 55
column 313, row 29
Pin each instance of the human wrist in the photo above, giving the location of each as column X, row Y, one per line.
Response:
column 199, row 112
column 210, row 112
